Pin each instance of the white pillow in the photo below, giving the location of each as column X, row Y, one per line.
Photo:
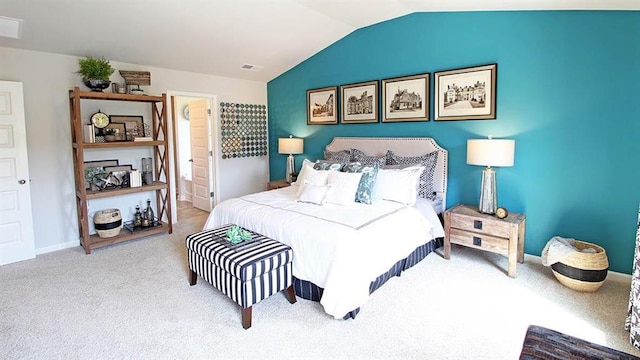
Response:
column 398, row 184
column 312, row 176
column 314, row 194
column 343, row 187
column 306, row 164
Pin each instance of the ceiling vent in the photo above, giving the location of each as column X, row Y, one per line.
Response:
column 10, row 27
column 252, row 67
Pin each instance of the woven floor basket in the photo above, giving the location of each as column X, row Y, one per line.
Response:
column 107, row 222
column 583, row 271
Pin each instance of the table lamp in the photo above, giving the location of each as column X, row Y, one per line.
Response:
column 290, row 146
column 489, row 152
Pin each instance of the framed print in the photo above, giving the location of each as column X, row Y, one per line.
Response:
column 359, row 103
column 406, row 98
column 466, row 94
column 119, row 171
column 133, row 123
column 322, row 106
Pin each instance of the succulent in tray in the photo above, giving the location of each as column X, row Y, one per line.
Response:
column 236, row 234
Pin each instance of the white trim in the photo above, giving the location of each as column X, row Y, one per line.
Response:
column 52, row 248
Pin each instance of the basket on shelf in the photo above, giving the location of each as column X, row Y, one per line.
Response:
column 107, row 222
column 582, row 271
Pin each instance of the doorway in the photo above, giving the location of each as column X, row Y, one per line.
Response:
column 186, row 190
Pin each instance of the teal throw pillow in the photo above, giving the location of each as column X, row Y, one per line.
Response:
column 367, row 181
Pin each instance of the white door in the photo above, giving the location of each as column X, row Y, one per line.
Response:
column 16, row 223
column 199, row 126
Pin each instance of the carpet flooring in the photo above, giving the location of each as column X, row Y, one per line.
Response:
column 133, row 301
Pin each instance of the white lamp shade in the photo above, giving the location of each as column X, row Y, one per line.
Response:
column 290, row 146
column 490, row 152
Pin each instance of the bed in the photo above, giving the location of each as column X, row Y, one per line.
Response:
column 344, row 251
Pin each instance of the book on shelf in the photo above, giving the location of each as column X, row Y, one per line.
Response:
column 88, row 133
column 143, row 138
column 135, row 178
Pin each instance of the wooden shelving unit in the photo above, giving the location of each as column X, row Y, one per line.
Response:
column 161, row 167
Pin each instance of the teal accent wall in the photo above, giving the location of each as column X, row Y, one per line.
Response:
column 568, row 92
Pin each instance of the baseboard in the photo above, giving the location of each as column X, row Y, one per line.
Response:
column 611, row 275
column 57, row 247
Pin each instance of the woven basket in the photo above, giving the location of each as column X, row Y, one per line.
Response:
column 107, row 222
column 582, row 271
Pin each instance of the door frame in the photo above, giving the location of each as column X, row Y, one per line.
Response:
column 173, row 148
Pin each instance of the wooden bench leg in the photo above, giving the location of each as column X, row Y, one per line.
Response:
column 193, row 278
column 290, row 294
column 246, row 318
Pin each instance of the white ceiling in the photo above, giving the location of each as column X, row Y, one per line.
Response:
column 219, row 36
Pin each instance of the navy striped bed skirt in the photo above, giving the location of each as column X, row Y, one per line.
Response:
column 310, row 291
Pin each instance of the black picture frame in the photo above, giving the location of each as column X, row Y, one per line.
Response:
column 97, row 164
column 406, row 98
column 359, row 103
column 322, row 106
column 466, row 93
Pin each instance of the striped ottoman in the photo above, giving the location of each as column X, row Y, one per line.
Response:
column 247, row 274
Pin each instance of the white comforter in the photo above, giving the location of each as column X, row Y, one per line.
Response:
column 339, row 248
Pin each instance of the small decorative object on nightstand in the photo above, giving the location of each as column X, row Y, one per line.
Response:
column 277, row 184
column 466, row 225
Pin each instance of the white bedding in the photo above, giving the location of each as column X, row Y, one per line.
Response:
column 339, row 248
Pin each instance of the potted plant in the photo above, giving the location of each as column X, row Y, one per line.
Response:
column 95, row 72
column 110, row 135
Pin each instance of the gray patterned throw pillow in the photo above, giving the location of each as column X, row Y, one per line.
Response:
column 342, row 156
column 364, row 159
column 425, row 183
column 367, row 181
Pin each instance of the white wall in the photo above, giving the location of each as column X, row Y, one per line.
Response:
column 47, row 79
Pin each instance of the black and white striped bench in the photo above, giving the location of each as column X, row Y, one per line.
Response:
column 247, row 274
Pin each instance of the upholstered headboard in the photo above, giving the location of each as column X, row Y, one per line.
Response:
column 402, row 147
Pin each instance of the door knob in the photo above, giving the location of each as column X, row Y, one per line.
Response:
column 190, row 160
column 22, row 182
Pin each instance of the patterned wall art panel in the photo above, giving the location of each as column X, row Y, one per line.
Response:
column 243, row 130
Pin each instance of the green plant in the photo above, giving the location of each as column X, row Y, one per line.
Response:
column 95, row 68
column 109, row 131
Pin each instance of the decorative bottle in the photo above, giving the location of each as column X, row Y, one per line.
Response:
column 149, row 213
column 137, row 217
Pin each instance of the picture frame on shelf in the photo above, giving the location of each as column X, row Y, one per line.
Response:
column 119, row 171
column 95, row 167
column 134, row 125
column 120, row 130
column 466, row 94
column 322, row 106
column 359, row 102
column 406, row 98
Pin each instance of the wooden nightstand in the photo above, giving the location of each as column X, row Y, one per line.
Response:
column 277, row 184
column 465, row 225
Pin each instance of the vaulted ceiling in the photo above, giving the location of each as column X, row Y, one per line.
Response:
column 220, row 36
